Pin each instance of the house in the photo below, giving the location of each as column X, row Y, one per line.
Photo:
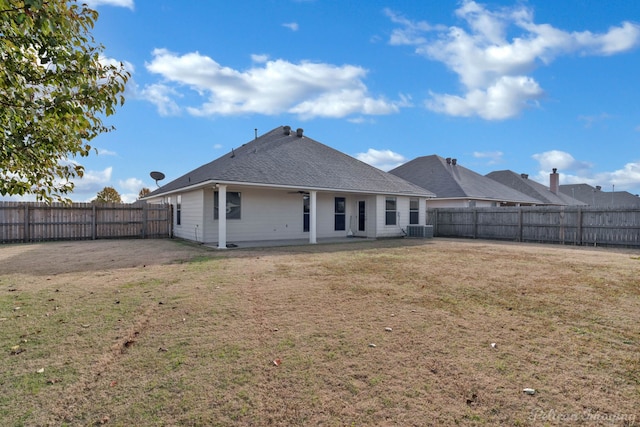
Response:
column 546, row 195
column 457, row 186
column 594, row 196
column 284, row 185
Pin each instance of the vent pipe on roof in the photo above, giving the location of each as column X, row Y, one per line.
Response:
column 524, row 176
column 255, row 130
column 554, row 181
column 454, row 162
column 448, row 159
column 299, row 132
column 287, row 130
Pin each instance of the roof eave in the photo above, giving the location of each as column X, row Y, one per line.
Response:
column 212, row 183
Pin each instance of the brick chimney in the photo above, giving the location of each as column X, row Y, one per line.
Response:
column 554, row 181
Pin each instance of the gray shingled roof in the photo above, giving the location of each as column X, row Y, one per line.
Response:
column 595, row 197
column 450, row 180
column 523, row 184
column 286, row 160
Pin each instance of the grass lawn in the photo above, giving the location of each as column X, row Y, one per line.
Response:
column 403, row 332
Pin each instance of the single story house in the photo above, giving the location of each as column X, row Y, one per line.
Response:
column 457, row 186
column 284, row 185
column 548, row 196
column 595, row 196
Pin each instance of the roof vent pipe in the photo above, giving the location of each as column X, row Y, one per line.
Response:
column 454, row 162
column 524, row 175
column 287, row 130
column 448, row 159
column 299, row 132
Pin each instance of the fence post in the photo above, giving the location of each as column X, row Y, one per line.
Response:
column 579, row 231
column 475, row 223
column 520, row 231
column 144, row 221
column 94, row 224
column 26, row 223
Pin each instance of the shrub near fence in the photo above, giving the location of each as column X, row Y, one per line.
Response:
column 39, row 222
column 542, row 224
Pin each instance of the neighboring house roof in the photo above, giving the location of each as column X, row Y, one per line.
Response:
column 523, row 184
column 594, row 196
column 281, row 158
column 449, row 180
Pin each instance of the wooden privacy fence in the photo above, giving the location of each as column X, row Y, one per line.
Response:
column 557, row 224
column 39, row 222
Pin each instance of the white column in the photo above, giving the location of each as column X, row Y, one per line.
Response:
column 312, row 217
column 222, row 216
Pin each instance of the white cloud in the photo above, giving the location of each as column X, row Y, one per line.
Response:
column 560, row 160
column 293, row 26
column 494, row 157
column 105, row 152
column 381, row 159
column 92, row 181
column 502, row 100
column 308, row 89
column 119, row 3
column 161, row 96
column 493, row 68
column 129, row 189
column 573, row 171
column 131, row 184
column 259, row 59
column 589, row 121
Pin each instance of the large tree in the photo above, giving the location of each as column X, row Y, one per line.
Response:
column 108, row 195
column 55, row 89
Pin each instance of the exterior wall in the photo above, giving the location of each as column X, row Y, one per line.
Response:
column 402, row 217
column 268, row 214
column 272, row 215
column 191, row 222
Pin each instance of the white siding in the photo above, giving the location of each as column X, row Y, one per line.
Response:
column 402, row 218
column 270, row 215
column 191, row 226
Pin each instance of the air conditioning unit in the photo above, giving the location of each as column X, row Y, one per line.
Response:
column 421, row 231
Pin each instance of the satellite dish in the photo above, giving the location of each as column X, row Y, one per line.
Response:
column 158, row 176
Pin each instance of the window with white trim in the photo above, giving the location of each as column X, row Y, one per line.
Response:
column 390, row 211
column 414, row 211
column 340, row 211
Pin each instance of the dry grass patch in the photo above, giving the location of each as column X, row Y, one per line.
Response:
column 166, row 333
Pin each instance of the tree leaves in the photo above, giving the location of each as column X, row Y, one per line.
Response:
column 108, row 195
column 54, row 91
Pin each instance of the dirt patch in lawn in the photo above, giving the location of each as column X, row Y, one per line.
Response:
column 390, row 332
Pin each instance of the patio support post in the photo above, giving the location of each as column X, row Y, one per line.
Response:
column 312, row 216
column 222, row 216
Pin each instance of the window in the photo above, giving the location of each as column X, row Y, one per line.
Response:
column 305, row 213
column 233, row 205
column 340, row 213
column 390, row 211
column 414, row 211
column 178, row 209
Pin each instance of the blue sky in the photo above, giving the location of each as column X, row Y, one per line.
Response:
column 526, row 86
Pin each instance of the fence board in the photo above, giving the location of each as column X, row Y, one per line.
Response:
column 543, row 224
column 39, row 222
